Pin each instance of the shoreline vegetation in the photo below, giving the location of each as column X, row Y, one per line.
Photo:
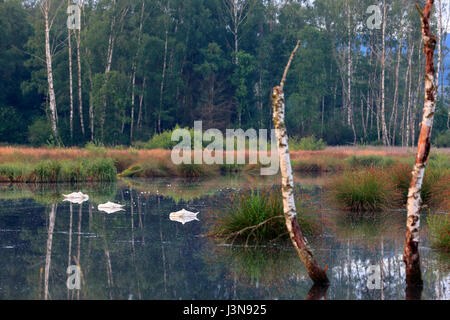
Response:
column 42, row 165
column 364, row 178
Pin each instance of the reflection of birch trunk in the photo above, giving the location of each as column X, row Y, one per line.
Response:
column 48, row 254
column 163, row 253
column 306, row 256
column 69, row 259
column 108, row 261
column 133, row 248
column 317, row 292
column 80, row 216
column 411, row 250
column 382, row 270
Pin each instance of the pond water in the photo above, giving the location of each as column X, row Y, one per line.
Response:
column 139, row 253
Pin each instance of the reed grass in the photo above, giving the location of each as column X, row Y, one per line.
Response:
column 439, row 228
column 258, row 215
column 366, row 190
column 52, row 171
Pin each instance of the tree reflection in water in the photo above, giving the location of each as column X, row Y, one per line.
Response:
column 140, row 254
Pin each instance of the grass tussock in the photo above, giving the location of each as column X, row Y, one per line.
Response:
column 370, row 161
column 439, row 228
column 307, row 143
column 435, row 186
column 365, row 190
column 380, row 184
column 258, row 215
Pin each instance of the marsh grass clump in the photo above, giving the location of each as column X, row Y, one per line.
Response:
column 102, row 169
column 73, row 171
column 365, row 190
column 258, row 215
column 435, row 186
column 147, row 170
column 14, row 172
column 439, row 228
column 47, row 171
column 191, row 170
column 370, row 161
column 307, row 143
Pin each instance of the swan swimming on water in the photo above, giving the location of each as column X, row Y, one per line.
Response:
column 76, row 197
column 110, row 207
column 183, row 216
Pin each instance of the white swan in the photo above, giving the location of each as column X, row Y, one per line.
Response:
column 76, row 197
column 183, row 216
column 110, row 207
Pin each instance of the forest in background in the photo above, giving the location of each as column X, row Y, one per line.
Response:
column 137, row 68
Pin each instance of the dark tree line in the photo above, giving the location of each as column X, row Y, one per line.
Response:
column 140, row 67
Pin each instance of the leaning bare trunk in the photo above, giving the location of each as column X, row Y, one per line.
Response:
column 411, row 251
column 290, row 213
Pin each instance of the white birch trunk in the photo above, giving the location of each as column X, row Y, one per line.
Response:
column 383, row 78
column 290, row 213
column 70, row 80
column 411, row 250
column 45, row 8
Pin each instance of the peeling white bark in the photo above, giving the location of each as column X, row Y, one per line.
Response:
column 411, row 251
column 287, row 188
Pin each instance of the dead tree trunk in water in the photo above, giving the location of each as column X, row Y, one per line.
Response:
column 411, row 251
column 317, row 275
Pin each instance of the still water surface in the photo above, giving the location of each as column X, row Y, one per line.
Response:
column 139, row 253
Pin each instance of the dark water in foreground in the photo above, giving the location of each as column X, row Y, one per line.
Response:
column 140, row 254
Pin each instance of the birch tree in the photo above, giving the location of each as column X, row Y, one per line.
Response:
column 411, row 250
column 383, row 79
column 80, row 87
column 317, row 275
column 69, row 44
column 237, row 11
column 45, row 7
column 134, row 67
